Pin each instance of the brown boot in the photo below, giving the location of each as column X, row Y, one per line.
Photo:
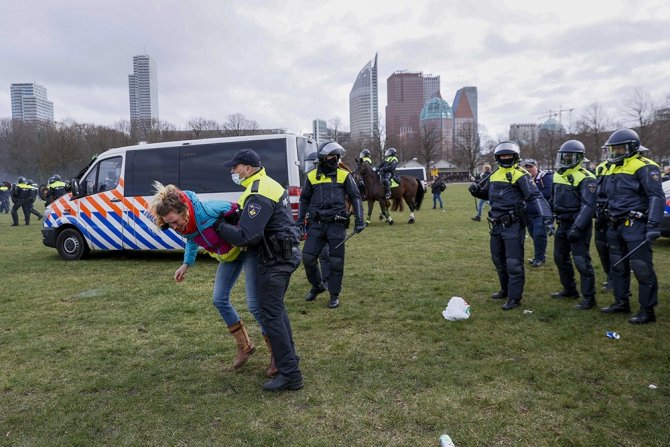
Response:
column 245, row 346
column 272, row 369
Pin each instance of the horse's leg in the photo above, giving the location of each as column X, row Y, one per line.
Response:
column 387, row 215
column 409, row 200
column 371, row 204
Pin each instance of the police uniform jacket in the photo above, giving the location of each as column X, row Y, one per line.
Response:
column 21, row 193
column 508, row 188
column 635, row 185
column 601, row 193
column 323, row 195
column 56, row 190
column 266, row 212
column 389, row 164
column 367, row 160
column 575, row 196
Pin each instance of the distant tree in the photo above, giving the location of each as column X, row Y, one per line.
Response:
column 203, row 128
column 238, row 125
column 593, row 128
column 467, row 149
column 430, row 144
column 336, row 125
column 638, row 111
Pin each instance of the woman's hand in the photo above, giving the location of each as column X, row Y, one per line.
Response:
column 180, row 274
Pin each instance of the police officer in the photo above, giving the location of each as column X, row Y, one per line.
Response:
column 266, row 226
column 387, row 169
column 5, row 192
column 21, row 196
column 56, row 189
column 34, row 190
column 324, row 262
column 364, row 157
column 635, row 202
column 323, row 198
column 574, row 198
column 507, row 188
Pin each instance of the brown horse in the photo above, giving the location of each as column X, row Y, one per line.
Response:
column 410, row 189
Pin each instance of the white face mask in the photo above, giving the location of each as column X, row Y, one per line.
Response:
column 236, row 178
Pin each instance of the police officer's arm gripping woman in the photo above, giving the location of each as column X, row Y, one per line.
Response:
column 323, row 197
column 507, row 188
column 266, row 225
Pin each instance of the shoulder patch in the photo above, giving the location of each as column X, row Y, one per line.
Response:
column 592, row 187
column 253, row 209
column 655, row 175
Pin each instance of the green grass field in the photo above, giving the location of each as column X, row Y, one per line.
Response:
column 111, row 351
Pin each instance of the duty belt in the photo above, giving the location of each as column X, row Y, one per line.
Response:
column 506, row 220
column 626, row 218
column 337, row 218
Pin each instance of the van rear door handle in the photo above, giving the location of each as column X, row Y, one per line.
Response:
column 115, row 200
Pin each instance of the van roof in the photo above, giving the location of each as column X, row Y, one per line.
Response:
column 120, row 150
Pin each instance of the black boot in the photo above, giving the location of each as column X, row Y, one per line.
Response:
column 499, row 295
column 646, row 315
column 314, row 291
column 282, row 382
column 586, row 304
column 617, row 307
column 511, row 304
column 565, row 293
column 334, row 301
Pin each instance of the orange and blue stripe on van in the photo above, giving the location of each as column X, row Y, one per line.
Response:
column 110, row 221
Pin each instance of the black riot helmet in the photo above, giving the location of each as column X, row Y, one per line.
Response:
column 21, row 180
column 330, row 148
column 390, row 151
column 623, row 143
column 364, row 153
column 507, row 148
column 56, row 178
column 570, row 154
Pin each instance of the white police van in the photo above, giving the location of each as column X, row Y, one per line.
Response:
column 107, row 208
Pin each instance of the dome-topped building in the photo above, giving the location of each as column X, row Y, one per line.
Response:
column 437, row 118
column 552, row 125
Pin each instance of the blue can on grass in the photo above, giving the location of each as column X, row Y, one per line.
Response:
column 613, row 335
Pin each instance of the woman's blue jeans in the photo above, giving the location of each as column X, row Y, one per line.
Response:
column 226, row 276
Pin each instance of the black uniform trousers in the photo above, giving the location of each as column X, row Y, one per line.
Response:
column 579, row 249
column 507, row 255
column 600, row 238
column 623, row 236
column 27, row 208
column 319, row 235
column 271, row 285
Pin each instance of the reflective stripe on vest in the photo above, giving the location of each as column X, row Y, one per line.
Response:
column 572, row 176
column 630, row 165
column 322, row 178
column 260, row 183
column 501, row 174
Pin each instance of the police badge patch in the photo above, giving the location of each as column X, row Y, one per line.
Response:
column 592, row 188
column 253, row 210
column 655, row 176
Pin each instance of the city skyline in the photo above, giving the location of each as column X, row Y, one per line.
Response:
column 30, row 103
column 223, row 58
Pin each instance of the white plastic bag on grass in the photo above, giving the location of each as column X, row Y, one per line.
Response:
column 457, row 309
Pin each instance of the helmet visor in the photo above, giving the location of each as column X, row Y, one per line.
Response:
column 568, row 159
column 617, row 152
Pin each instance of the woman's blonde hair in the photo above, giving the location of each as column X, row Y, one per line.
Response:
column 168, row 198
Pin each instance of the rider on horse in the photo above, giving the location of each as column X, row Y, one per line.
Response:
column 387, row 169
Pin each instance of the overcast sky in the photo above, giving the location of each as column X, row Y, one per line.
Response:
column 284, row 62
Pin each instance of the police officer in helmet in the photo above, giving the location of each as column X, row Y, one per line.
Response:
column 323, row 199
column 266, row 226
column 507, row 189
column 387, row 169
column 22, row 193
column 574, row 206
column 56, row 188
column 635, row 203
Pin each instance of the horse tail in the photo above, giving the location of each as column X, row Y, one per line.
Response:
column 398, row 205
column 420, row 192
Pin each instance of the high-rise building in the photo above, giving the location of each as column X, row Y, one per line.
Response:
column 431, row 87
column 320, row 131
column 143, row 92
column 524, row 133
column 466, row 132
column 29, row 103
column 364, row 103
column 405, row 99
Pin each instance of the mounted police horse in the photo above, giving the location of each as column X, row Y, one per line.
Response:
column 410, row 189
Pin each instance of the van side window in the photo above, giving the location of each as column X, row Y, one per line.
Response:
column 143, row 167
column 103, row 177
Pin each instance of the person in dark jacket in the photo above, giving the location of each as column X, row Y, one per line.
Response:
column 5, row 192
column 56, row 188
column 437, row 188
column 544, row 182
column 635, row 204
column 386, row 169
column 574, row 207
column 323, row 199
column 22, row 198
column 508, row 188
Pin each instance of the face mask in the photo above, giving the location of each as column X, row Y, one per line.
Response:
column 236, row 178
column 332, row 163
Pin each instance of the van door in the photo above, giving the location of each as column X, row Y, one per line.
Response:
column 143, row 168
column 101, row 210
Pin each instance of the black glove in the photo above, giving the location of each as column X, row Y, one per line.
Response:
column 302, row 228
column 549, row 226
column 359, row 226
column 574, row 234
column 653, row 232
column 474, row 189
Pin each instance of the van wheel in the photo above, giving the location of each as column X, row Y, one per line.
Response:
column 71, row 245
